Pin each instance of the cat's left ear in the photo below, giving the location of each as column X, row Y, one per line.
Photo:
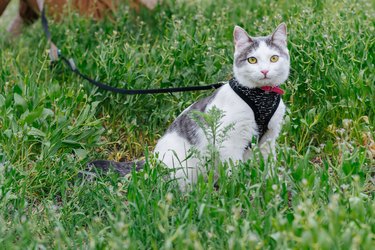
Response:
column 279, row 35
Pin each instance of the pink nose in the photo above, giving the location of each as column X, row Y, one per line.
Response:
column 264, row 72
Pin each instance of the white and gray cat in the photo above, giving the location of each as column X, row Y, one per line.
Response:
column 250, row 101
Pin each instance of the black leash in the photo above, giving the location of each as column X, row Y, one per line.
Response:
column 55, row 53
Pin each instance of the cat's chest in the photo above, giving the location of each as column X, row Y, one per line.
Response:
column 235, row 110
column 244, row 115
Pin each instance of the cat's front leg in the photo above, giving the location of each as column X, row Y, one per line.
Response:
column 232, row 153
column 267, row 148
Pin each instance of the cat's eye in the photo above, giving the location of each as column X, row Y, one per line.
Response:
column 252, row 60
column 274, row 58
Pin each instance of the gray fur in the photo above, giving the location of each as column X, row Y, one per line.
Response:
column 185, row 126
column 241, row 59
column 122, row 168
column 275, row 46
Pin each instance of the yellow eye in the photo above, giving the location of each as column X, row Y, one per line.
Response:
column 274, row 58
column 252, row 60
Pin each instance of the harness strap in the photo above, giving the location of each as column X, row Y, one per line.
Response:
column 261, row 119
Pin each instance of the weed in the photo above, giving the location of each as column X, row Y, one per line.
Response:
column 52, row 124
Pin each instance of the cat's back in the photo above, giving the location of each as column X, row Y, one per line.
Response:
column 184, row 133
column 223, row 98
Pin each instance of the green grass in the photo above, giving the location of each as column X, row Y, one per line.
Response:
column 321, row 196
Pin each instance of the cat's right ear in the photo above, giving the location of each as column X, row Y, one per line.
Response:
column 241, row 37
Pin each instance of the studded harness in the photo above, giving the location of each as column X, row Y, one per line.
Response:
column 263, row 103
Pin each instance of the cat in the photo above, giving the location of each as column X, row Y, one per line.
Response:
column 251, row 102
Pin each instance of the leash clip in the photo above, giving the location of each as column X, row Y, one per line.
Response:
column 54, row 53
column 72, row 64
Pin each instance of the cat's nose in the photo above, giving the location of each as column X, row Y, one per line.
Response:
column 264, row 72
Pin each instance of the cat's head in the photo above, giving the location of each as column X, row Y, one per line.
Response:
column 261, row 61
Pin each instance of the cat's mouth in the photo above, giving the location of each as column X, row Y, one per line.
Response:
column 265, row 78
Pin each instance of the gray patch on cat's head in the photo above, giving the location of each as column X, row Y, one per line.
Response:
column 242, row 54
column 241, row 57
column 275, row 41
column 185, row 126
column 270, row 43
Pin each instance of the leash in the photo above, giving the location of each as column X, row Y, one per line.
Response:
column 55, row 54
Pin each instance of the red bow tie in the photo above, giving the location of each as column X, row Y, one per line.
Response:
column 276, row 89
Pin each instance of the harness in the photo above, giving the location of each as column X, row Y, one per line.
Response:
column 263, row 103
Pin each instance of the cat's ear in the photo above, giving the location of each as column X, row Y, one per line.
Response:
column 240, row 36
column 279, row 35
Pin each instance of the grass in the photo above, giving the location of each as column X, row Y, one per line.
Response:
column 321, row 195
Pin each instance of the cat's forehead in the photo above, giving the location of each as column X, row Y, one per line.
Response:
column 265, row 45
column 262, row 50
column 260, row 46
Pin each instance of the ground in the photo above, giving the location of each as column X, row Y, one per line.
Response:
column 320, row 195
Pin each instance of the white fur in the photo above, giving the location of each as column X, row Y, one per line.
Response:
column 173, row 150
column 251, row 75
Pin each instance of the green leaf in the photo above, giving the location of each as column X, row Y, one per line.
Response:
column 20, row 101
column 71, row 142
column 35, row 114
column 80, row 153
column 8, row 133
column 36, row 132
column 47, row 113
column 2, row 100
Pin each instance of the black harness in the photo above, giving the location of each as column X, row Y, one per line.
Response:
column 263, row 104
